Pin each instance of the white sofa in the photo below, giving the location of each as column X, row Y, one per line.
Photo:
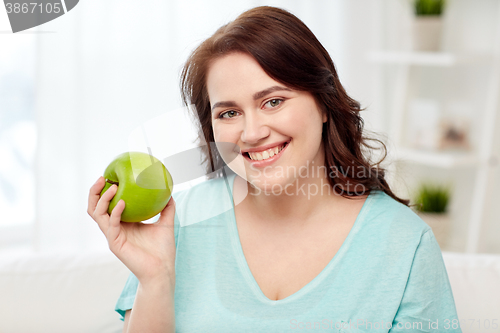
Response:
column 475, row 280
column 76, row 293
column 60, row 293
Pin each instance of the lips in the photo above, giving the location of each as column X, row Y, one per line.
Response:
column 265, row 154
column 265, row 157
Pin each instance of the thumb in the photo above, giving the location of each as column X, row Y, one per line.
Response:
column 168, row 213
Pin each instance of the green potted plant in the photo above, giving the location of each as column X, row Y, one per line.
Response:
column 428, row 23
column 432, row 202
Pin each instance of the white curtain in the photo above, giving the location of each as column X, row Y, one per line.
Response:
column 108, row 66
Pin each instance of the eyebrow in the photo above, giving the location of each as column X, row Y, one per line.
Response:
column 256, row 96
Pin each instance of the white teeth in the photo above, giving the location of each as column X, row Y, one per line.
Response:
column 265, row 154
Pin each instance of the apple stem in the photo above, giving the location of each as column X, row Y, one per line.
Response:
column 111, row 182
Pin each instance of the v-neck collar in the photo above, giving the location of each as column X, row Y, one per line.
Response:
column 334, row 262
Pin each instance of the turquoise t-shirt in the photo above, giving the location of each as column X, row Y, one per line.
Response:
column 388, row 275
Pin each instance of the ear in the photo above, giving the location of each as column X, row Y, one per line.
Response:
column 321, row 108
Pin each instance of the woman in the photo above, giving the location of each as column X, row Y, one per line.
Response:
column 305, row 233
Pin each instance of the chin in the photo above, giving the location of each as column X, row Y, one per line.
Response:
column 271, row 185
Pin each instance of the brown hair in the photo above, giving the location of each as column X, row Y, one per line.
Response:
column 289, row 53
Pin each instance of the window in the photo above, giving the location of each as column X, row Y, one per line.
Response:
column 17, row 133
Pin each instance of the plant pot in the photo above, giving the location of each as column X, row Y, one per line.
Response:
column 440, row 224
column 427, row 31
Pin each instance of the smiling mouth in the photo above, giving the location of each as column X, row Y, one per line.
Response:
column 266, row 154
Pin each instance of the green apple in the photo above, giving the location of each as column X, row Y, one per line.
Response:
column 143, row 183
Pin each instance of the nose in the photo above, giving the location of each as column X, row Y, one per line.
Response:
column 255, row 128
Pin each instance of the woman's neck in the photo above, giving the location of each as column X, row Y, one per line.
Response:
column 304, row 201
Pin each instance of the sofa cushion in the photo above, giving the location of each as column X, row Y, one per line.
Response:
column 475, row 281
column 60, row 292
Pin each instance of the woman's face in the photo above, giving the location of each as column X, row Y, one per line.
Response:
column 277, row 129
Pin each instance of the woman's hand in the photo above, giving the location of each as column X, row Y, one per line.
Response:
column 148, row 250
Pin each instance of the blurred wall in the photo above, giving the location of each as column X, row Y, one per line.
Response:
column 108, row 67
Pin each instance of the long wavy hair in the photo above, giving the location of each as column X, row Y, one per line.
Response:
column 290, row 53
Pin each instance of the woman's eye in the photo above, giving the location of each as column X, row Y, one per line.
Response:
column 274, row 102
column 228, row 114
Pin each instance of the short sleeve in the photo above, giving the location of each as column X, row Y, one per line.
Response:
column 427, row 304
column 127, row 297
